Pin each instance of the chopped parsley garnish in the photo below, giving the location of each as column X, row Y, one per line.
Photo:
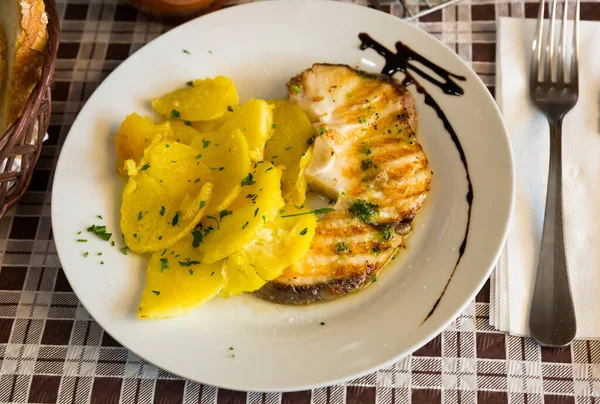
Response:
column 190, row 83
column 188, row 263
column 341, row 247
column 99, row 254
column 100, row 231
column 376, row 250
column 310, row 141
column 366, row 164
column 85, row 254
column 264, row 219
column 274, row 126
column 197, row 234
column 288, row 148
column 374, row 279
column 297, row 89
column 112, row 243
column 322, row 323
column 323, row 130
column 304, row 231
column 124, row 250
column 160, row 237
column 205, row 144
column 164, row 252
column 213, row 272
column 268, row 169
column 209, row 51
column 191, row 271
column 175, row 113
column 224, row 213
column 366, row 149
column 202, row 204
column 198, row 157
column 187, row 52
column 229, row 108
column 245, row 225
column 298, row 207
column 314, row 212
column 78, row 233
column 81, row 240
column 156, row 292
column 362, row 119
column 101, row 262
column 145, row 167
column 164, row 264
column 175, row 221
column 221, row 168
column 363, row 210
column 187, row 123
column 386, row 232
column 197, row 180
column 99, row 217
column 251, row 196
column 231, row 348
column 249, row 180
column 256, row 212
column 215, row 219
column 140, row 215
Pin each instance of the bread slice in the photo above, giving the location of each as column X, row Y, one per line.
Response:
column 23, row 25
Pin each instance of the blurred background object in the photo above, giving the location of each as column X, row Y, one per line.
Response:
column 175, row 11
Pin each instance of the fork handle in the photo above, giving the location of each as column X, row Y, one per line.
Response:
column 552, row 315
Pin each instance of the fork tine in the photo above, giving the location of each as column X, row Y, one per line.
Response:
column 574, row 81
column 536, row 52
column 549, row 65
column 561, row 60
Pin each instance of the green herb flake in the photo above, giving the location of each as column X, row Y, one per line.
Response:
column 81, row 240
column 323, row 130
column 100, row 217
column 198, row 157
column 175, row 114
column 85, row 254
column 362, row 119
column 197, row 234
column 366, row 164
column 268, row 169
column 374, row 279
column 187, row 52
column 366, row 149
column 99, row 254
column 191, row 271
column 213, row 272
column 187, row 123
column 145, row 167
column 255, row 212
column 296, row 89
column 249, row 180
column 124, row 250
column 164, row 252
column 205, row 144
column 322, row 323
column 140, row 215
column 304, row 231
column 288, row 148
column 245, row 225
column 224, row 213
column 310, row 141
column 188, row 262
column 190, row 83
column 78, row 233
column 313, row 212
column 376, row 250
column 341, row 247
column 274, row 126
column 386, row 232
column 101, row 262
column 164, row 264
column 160, row 237
column 231, row 348
column 202, row 204
column 229, row 108
column 264, row 218
column 175, row 221
column 156, row 292
column 363, row 210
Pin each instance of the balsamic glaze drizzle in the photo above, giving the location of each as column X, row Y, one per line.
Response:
column 399, row 62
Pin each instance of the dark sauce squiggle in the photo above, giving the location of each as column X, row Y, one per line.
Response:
column 399, row 62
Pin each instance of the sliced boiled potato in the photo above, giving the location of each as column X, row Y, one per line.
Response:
column 291, row 137
column 226, row 155
column 280, row 243
column 255, row 119
column 208, row 99
column 177, row 282
column 136, row 134
column 165, row 198
column 238, row 225
column 299, row 194
column 183, row 132
column 210, row 126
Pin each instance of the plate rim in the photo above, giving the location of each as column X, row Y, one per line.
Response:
column 413, row 347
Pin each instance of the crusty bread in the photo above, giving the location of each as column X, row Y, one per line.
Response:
column 23, row 24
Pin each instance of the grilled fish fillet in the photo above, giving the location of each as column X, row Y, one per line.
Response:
column 366, row 156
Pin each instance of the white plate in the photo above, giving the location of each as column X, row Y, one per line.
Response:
column 260, row 46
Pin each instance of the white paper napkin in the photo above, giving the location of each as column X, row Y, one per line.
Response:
column 513, row 280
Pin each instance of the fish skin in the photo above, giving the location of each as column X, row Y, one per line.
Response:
column 365, row 150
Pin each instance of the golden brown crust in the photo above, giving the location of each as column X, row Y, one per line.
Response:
column 29, row 57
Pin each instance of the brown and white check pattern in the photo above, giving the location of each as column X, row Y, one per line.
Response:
column 51, row 350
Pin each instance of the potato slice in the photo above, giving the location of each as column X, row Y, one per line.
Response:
column 166, row 198
column 136, row 134
column 235, row 228
column 255, row 119
column 291, row 137
column 177, row 283
column 183, row 132
column 226, row 155
column 281, row 243
column 210, row 126
column 299, row 195
column 208, row 99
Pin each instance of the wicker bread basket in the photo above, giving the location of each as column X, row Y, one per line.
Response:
column 23, row 140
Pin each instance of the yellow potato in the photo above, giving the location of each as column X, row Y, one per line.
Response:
column 177, row 283
column 136, row 134
column 281, row 243
column 208, row 99
column 183, row 132
column 236, row 227
column 166, row 198
column 291, row 137
column 210, row 126
column 299, row 194
column 226, row 155
column 255, row 119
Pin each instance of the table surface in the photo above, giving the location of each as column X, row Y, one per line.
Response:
column 51, row 350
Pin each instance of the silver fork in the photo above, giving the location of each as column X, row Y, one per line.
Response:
column 552, row 315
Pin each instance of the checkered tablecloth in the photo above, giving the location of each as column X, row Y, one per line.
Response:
column 51, row 350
